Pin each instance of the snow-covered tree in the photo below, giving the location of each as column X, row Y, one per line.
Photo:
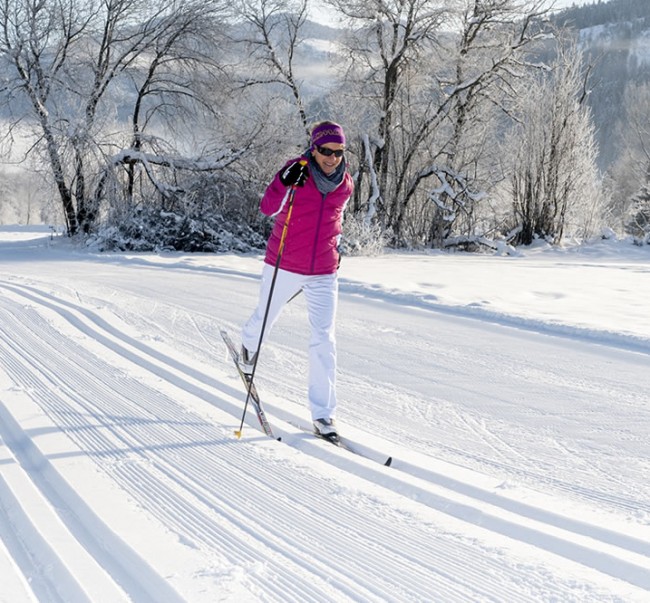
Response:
column 486, row 69
column 271, row 36
column 72, row 64
column 429, row 75
column 629, row 173
column 638, row 221
column 554, row 178
column 388, row 42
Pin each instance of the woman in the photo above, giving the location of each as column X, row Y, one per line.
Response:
column 309, row 260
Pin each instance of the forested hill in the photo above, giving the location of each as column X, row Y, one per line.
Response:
column 615, row 36
column 604, row 13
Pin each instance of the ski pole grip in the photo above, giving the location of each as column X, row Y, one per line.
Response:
column 302, row 162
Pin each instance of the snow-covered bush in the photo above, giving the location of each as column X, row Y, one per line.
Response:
column 157, row 230
column 361, row 238
column 638, row 220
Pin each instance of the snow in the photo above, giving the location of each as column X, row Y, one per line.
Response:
column 511, row 391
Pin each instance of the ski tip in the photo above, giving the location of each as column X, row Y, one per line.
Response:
column 388, row 462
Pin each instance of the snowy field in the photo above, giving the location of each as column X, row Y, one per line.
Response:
column 512, row 392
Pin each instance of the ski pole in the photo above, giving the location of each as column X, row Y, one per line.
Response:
column 283, row 237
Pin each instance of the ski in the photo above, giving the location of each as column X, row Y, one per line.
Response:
column 266, row 427
column 341, row 443
column 254, row 396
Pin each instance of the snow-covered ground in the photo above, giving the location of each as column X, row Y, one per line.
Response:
column 512, row 392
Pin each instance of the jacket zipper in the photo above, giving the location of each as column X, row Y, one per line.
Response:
column 320, row 216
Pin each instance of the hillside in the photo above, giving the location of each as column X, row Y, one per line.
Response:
column 616, row 38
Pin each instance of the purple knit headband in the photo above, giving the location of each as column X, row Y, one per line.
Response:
column 327, row 132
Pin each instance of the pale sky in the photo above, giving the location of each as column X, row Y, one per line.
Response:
column 321, row 11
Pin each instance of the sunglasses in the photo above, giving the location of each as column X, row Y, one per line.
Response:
column 327, row 152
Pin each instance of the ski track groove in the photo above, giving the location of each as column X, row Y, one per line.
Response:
column 486, row 463
column 129, row 573
column 131, row 444
column 12, row 558
column 482, row 432
column 323, row 518
column 35, row 568
column 188, row 472
column 127, row 471
column 88, row 442
column 594, row 496
column 489, row 464
column 201, row 534
column 76, row 428
column 487, row 436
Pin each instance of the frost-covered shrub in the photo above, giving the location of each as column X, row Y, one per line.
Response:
column 638, row 221
column 210, row 212
column 157, row 230
column 360, row 238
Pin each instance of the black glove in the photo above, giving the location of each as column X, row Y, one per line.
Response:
column 294, row 174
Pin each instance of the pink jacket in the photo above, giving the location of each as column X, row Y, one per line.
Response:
column 310, row 246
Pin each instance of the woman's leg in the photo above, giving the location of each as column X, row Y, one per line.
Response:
column 321, row 293
column 287, row 284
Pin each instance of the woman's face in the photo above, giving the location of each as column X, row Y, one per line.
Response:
column 328, row 163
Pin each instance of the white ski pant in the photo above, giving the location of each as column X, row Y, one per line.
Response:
column 321, row 294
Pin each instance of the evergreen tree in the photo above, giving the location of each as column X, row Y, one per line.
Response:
column 638, row 223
